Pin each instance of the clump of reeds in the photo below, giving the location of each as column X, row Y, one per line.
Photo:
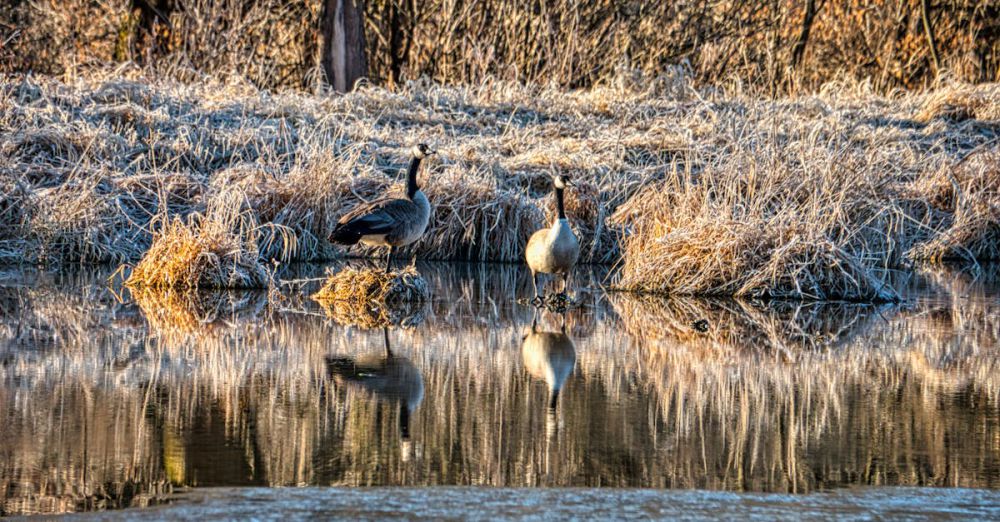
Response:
column 216, row 250
column 967, row 201
column 748, row 229
column 959, row 102
column 371, row 298
column 477, row 220
column 374, row 286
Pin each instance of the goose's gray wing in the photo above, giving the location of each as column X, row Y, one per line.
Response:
column 380, row 216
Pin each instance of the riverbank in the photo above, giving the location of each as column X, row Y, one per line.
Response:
column 692, row 192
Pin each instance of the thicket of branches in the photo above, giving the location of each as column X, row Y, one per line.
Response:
column 776, row 45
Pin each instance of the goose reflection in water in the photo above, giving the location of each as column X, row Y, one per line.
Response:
column 389, row 378
column 550, row 357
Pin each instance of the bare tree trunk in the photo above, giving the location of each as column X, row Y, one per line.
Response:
column 152, row 28
column 807, row 21
column 925, row 14
column 399, row 40
column 343, row 28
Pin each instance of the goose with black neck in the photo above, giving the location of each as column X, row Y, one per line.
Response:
column 389, row 221
column 554, row 249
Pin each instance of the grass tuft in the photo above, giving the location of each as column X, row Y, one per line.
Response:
column 374, row 286
column 967, row 199
column 773, row 233
column 218, row 250
column 373, row 299
column 958, row 103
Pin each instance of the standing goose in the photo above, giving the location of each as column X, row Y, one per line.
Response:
column 389, row 221
column 390, row 379
column 553, row 250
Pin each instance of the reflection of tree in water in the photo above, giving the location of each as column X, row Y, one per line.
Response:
column 776, row 397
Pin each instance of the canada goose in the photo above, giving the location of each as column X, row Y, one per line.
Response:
column 389, row 221
column 549, row 356
column 389, row 378
column 555, row 249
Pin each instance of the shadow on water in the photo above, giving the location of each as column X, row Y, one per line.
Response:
column 109, row 402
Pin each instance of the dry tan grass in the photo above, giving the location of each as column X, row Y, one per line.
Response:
column 712, row 193
column 968, row 200
column 958, row 103
column 277, row 43
column 374, row 286
column 218, row 250
column 755, row 227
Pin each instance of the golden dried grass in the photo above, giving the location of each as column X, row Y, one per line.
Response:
column 370, row 298
column 475, row 219
column 958, row 102
column 217, row 250
column 374, row 286
column 754, row 227
column 968, row 199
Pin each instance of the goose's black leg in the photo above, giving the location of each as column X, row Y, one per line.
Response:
column 388, row 260
column 537, row 299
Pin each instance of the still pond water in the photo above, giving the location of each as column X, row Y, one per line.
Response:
column 112, row 400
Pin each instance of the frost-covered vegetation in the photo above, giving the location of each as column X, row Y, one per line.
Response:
column 691, row 191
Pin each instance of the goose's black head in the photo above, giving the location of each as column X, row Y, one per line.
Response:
column 422, row 150
column 562, row 181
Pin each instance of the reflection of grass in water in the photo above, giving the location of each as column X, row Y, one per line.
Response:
column 848, row 398
column 814, row 376
column 94, row 471
column 371, row 315
column 736, row 326
column 190, row 312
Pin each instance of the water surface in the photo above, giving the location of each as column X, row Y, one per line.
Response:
column 112, row 400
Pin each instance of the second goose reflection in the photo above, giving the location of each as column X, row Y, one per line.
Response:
column 389, row 378
column 550, row 357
